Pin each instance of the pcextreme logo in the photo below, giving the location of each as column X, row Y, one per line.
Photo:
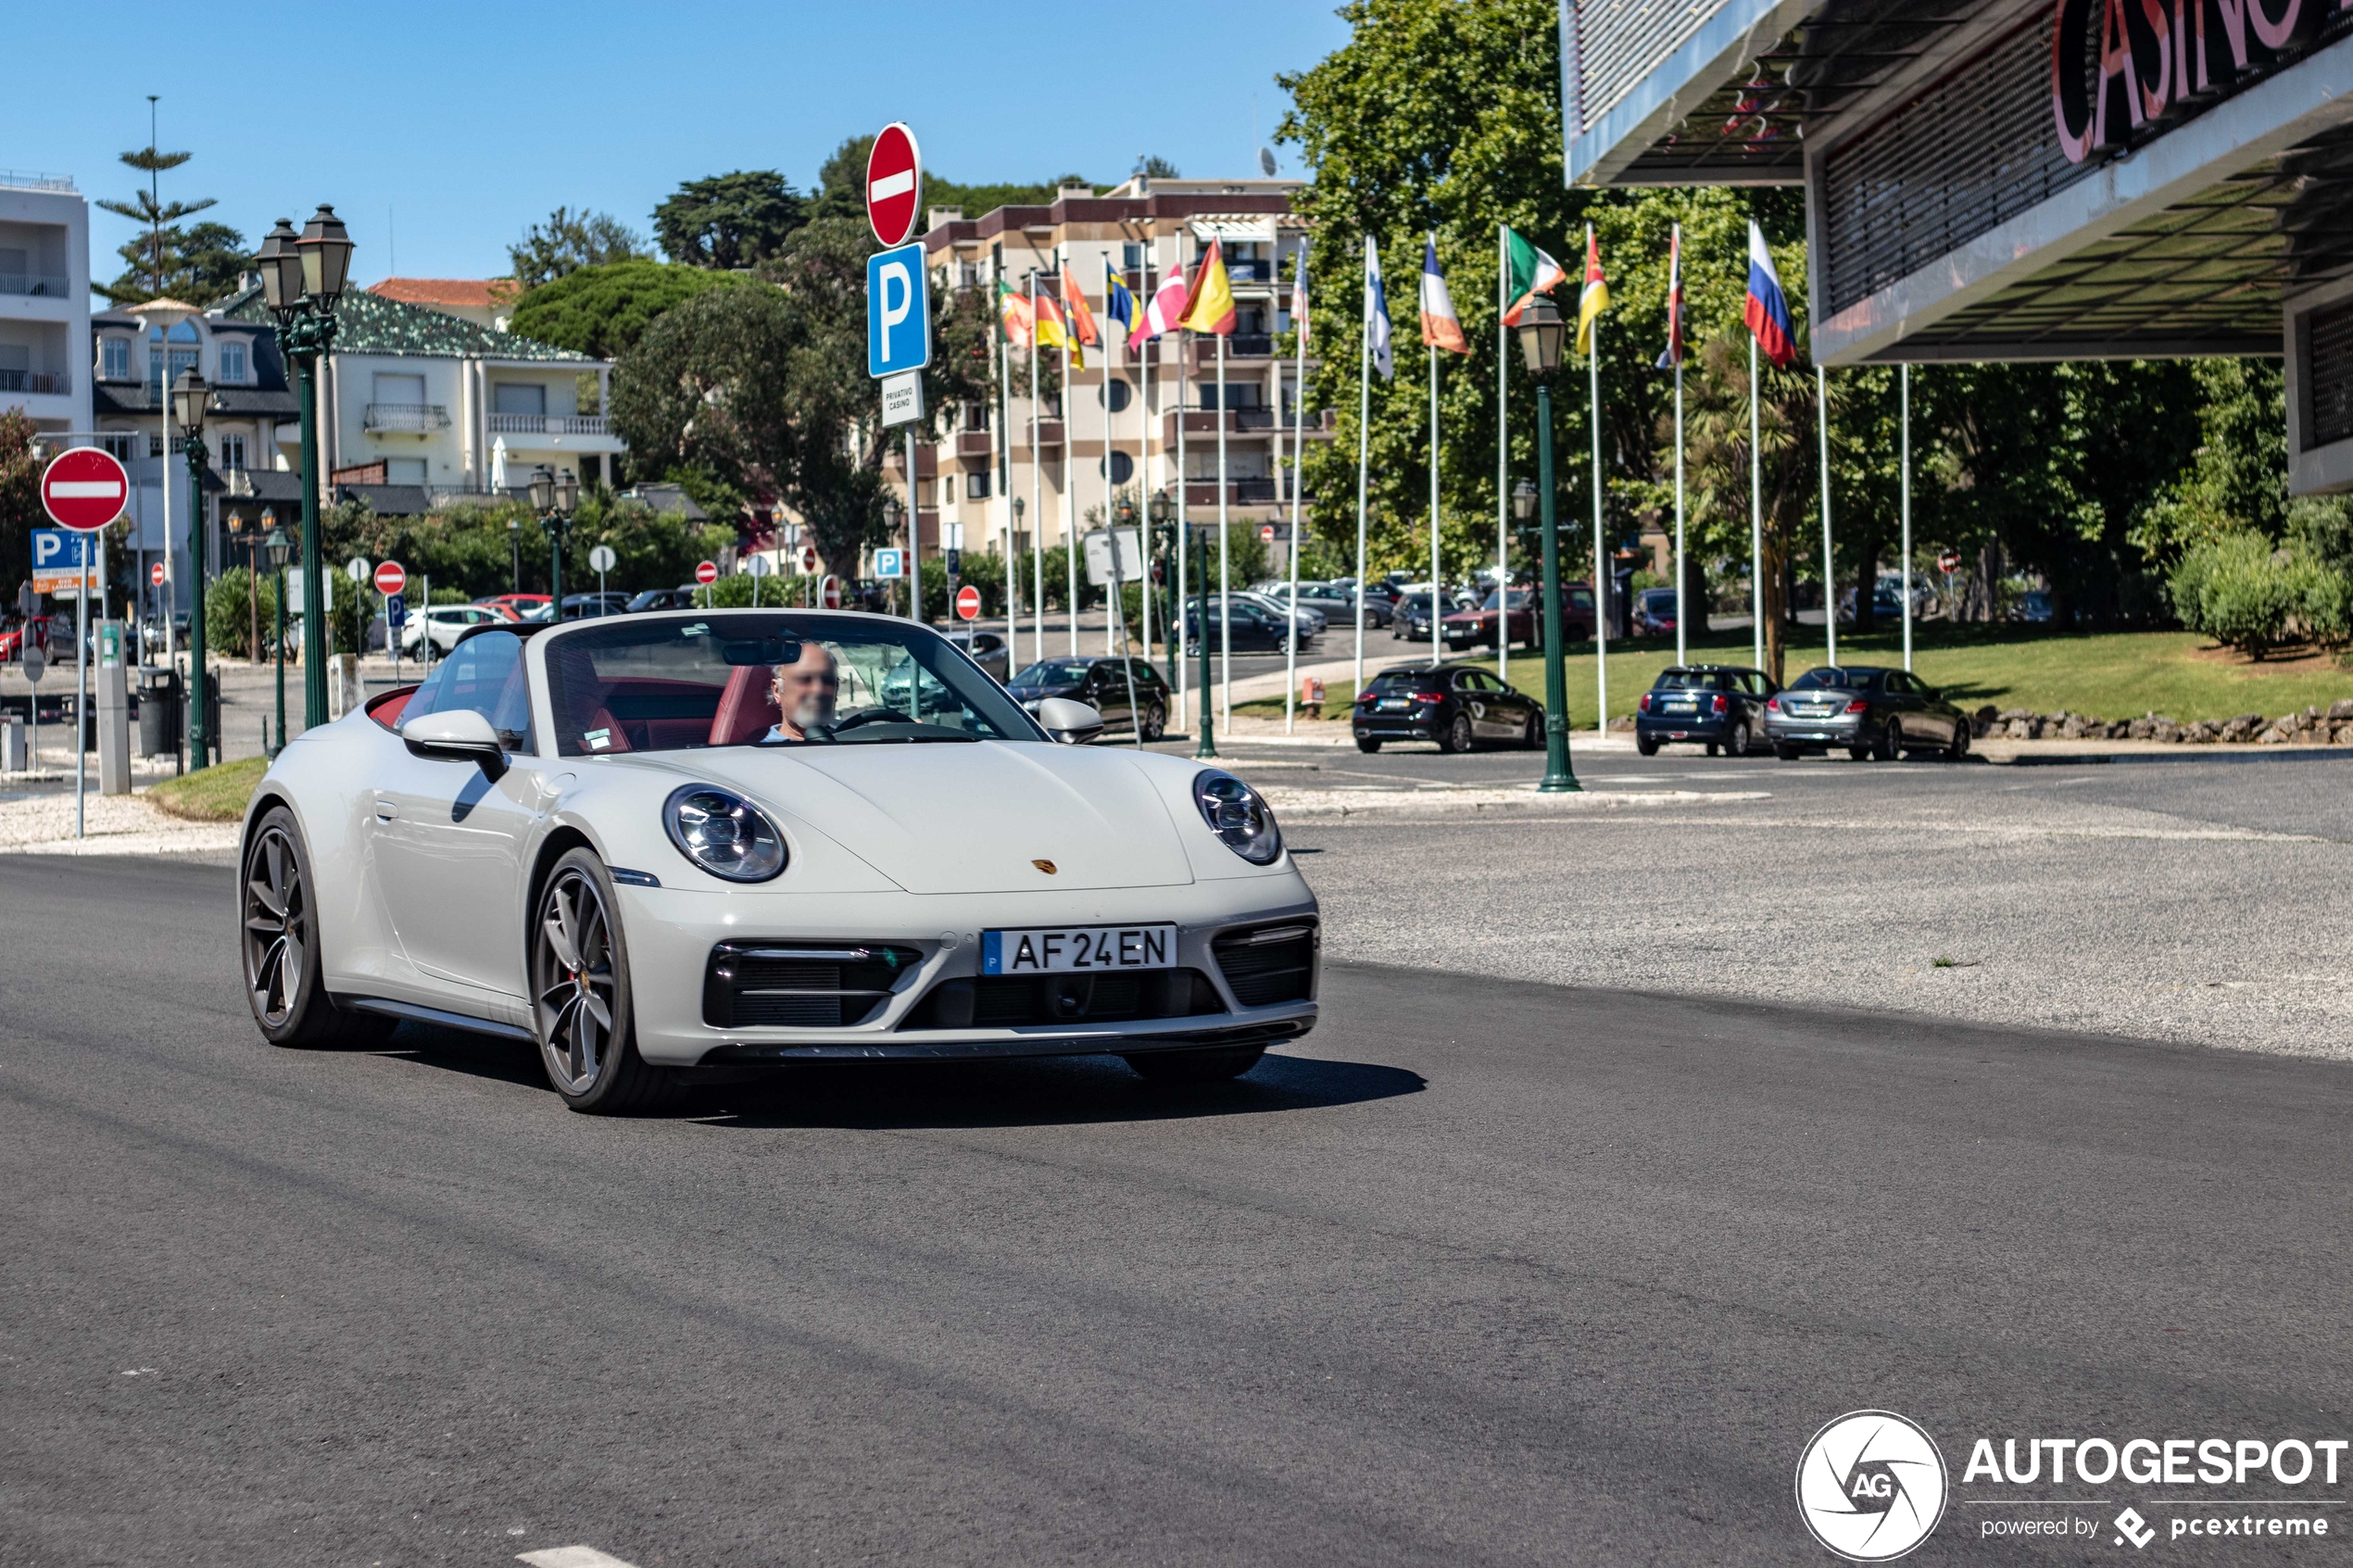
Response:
column 1870, row 1486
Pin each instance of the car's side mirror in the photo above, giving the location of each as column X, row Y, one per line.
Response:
column 460, row 735
column 1071, row 723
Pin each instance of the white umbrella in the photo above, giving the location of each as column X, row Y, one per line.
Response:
column 498, row 465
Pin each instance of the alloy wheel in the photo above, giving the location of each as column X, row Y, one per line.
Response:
column 572, row 979
column 277, row 922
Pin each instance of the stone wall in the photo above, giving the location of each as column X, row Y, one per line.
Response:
column 2332, row 725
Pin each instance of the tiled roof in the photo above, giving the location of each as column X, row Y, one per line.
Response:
column 369, row 323
column 479, row 293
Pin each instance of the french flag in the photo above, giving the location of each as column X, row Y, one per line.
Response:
column 1767, row 309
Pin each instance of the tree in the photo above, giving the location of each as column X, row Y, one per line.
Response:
column 604, row 310
column 1152, row 166
column 729, row 221
column 568, row 241
column 841, row 186
column 20, row 510
column 198, row 264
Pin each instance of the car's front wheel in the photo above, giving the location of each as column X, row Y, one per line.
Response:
column 279, row 943
column 1195, row 1067
column 1155, row 724
column 581, row 1005
column 1456, row 737
column 1957, row 750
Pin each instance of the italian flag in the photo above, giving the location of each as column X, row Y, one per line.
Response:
column 1532, row 272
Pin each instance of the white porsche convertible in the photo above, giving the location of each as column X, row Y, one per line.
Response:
column 669, row 845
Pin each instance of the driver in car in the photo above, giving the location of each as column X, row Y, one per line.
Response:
column 806, row 691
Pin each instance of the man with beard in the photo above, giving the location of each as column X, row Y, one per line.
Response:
column 805, row 692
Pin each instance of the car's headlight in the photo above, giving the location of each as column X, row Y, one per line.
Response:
column 1236, row 814
column 723, row 833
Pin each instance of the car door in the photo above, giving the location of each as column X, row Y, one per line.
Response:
column 1481, row 697
column 1107, row 689
column 449, row 840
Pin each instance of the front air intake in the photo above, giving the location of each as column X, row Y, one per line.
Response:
column 800, row 984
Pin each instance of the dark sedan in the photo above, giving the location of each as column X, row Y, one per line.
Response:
column 1718, row 706
column 1458, row 705
column 1875, row 713
column 665, row 598
column 1654, row 612
column 1254, row 629
column 1102, row 684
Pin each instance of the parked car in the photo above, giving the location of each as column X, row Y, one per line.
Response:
column 1311, row 621
column 1654, row 612
column 2032, row 605
column 1872, row 712
column 1718, row 706
column 986, row 650
column 663, row 598
column 1335, row 602
column 515, row 606
column 1102, row 684
column 1254, row 629
column 578, row 605
column 1412, row 621
column 1514, row 615
column 1458, row 705
column 53, row 635
column 448, row 622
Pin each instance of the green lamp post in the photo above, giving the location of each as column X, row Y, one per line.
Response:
column 189, row 395
column 1208, row 746
column 1540, row 331
column 302, row 281
column 555, row 496
column 278, row 547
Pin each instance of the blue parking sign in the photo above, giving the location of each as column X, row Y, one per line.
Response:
column 396, row 611
column 59, row 556
column 898, row 311
column 890, row 563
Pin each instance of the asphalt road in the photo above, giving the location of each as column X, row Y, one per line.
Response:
column 1484, row 1270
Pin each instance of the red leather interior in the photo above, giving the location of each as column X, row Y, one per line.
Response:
column 386, row 709
column 603, row 720
column 747, row 707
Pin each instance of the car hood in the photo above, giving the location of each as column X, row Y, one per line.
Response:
column 964, row 818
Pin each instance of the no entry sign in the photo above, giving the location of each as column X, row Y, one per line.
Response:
column 706, row 572
column 829, row 592
column 893, row 185
column 84, row 488
column 390, row 578
column 155, row 574
column 968, row 602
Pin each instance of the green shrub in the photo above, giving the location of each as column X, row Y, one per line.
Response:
column 228, row 608
column 2237, row 590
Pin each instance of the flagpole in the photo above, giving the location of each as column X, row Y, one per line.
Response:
column 1119, row 611
column 1298, row 466
column 1437, row 591
column 1224, row 569
column 1502, row 457
column 1829, row 573
column 1143, row 355
column 1184, row 524
column 1037, row 493
column 1364, row 453
column 1605, row 580
column 1005, row 489
column 1904, row 382
column 1755, row 520
column 1070, row 483
column 1675, row 340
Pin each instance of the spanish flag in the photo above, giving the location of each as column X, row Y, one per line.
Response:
column 1013, row 316
column 1595, row 299
column 1209, row 306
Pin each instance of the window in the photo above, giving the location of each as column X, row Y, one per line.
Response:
column 233, row 453
column 404, row 471
column 232, row 362
column 483, row 674
column 530, row 400
column 165, row 361
column 114, row 358
column 407, row 392
column 1118, row 393
column 947, row 488
column 1131, row 257
column 976, row 486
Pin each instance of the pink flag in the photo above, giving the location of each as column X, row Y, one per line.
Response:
column 1167, row 308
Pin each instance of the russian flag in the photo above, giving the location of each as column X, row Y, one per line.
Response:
column 1767, row 309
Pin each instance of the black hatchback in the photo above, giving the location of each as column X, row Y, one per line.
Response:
column 1459, row 706
column 1720, row 706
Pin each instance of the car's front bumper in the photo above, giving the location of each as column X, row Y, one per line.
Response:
column 671, row 933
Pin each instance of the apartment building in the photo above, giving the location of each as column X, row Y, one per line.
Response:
column 45, row 300
column 1116, row 426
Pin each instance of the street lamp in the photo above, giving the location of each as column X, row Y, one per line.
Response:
column 278, row 547
column 555, row 496
column 302, row 281
column 1540, row 331
column 189, row 394
column 514, row 547
column 1208, row 746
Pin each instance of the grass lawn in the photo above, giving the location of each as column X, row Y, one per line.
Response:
column 2108, row 675
column 217, row 795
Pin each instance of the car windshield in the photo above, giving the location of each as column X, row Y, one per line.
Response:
column 1827, row 679
column 1054, row 672
column 757, row 678
column 1687, row 681
column 1403, row 682
column 1518, row 600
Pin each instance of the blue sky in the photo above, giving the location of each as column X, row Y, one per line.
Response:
column 441, row 131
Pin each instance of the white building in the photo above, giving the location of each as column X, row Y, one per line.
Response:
column 45, row 300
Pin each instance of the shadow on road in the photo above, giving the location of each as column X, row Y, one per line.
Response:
column 1046, row 1091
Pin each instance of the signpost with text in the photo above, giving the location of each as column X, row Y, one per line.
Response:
column 899, row 310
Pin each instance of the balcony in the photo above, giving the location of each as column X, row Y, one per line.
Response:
column 40, row 384
column 549, row 424
column 1241, row 345
column 1200, row 492
column 973, row 445
column 36, row 285
column 404, row 419
column 1049, row 433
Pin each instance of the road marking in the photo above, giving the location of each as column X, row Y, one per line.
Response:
column 572, row 1557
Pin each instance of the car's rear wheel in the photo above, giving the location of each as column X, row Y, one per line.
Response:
column 1155, row 723
column 1788, row 753
column 1533, row 737
column 1368, row 743
column 581, row 1003
column 1958, row 748
column 279, row 943
column 1195, row 1067
column 1648, row 747
column 1456, row 737
column 1891, row 741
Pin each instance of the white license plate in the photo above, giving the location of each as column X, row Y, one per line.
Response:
column 1077, row 949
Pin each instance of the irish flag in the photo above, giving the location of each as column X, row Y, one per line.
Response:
column 1440, row 327
column 1532, row 272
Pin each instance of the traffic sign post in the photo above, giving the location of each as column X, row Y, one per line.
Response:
column 898, row 310
column 83, row 488
column 829, row 592
column 391, row 579
column 968, row 602
column 706, row 574
column 155, row 574
column 890, row 563
column 893, row 185
column 601, row 561
column 758, row 568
